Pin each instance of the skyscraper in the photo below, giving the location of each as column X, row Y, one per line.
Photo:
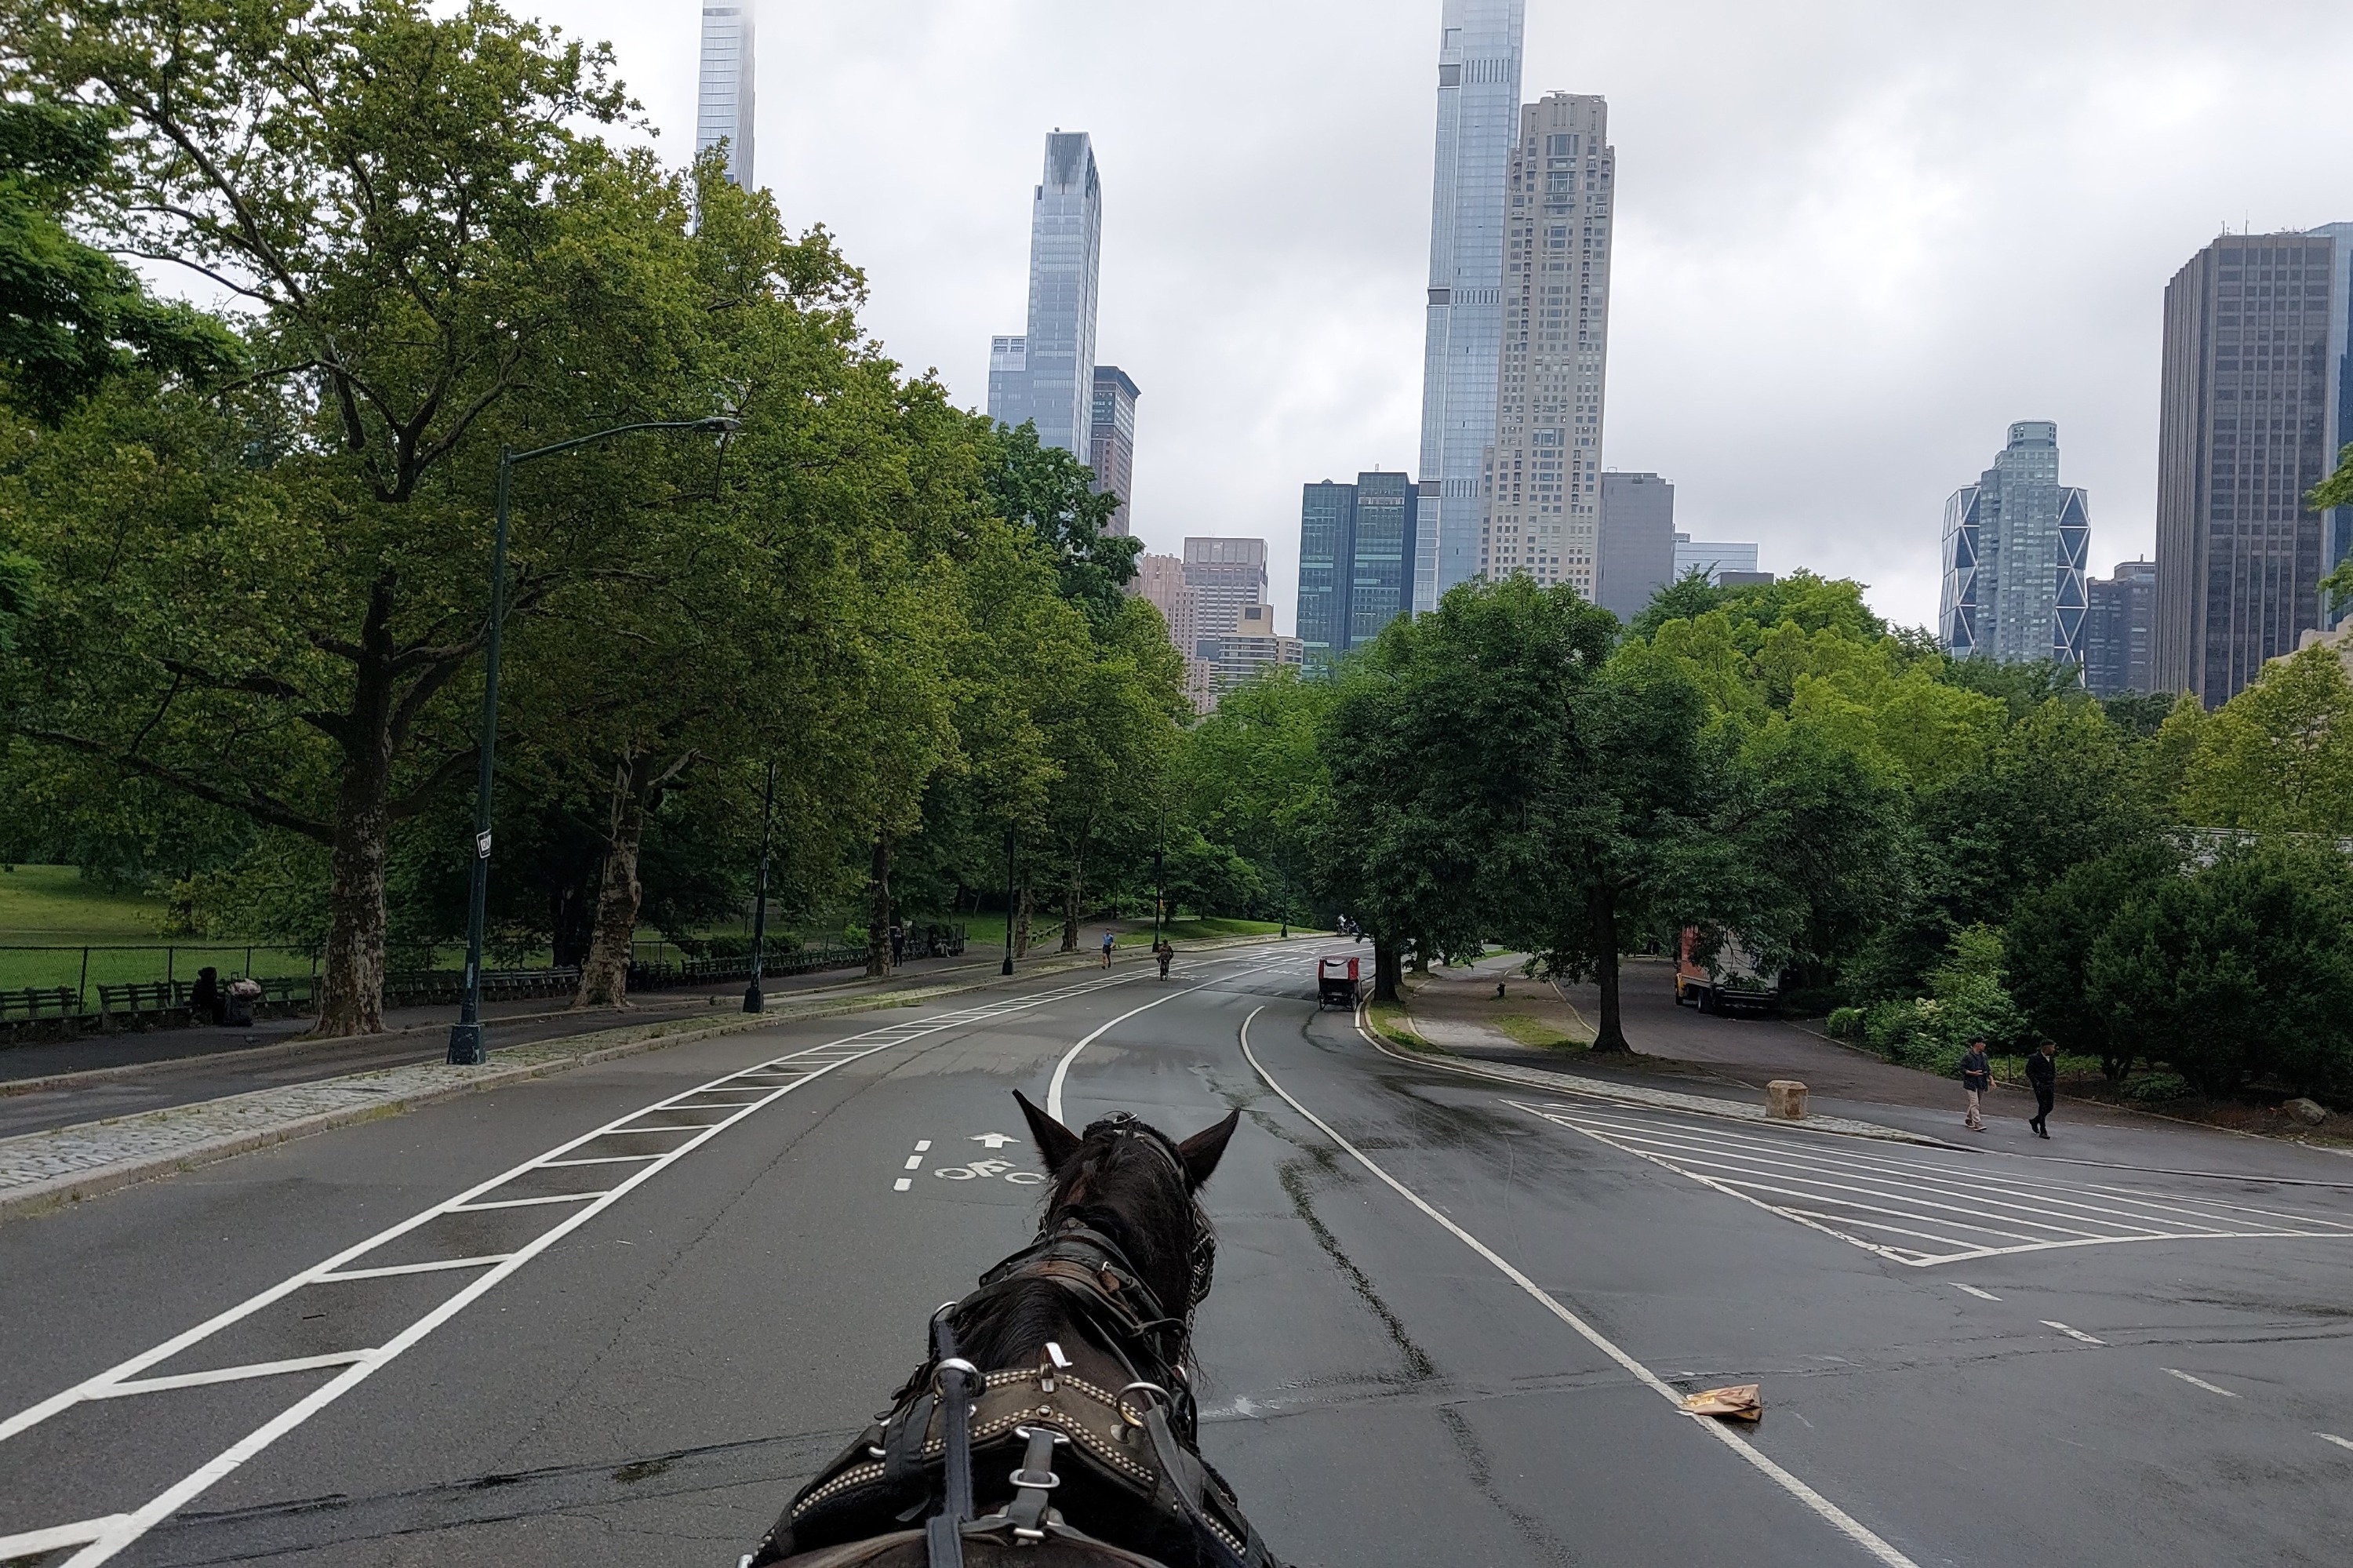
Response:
column 2016, row 546
column 1111, row 440
column 2254, row 409
column 1638, row 542
column 723, row 111
column 1543, row 505
column 1478, row 118
column 2119, row 628
column 1713, row 557
column 1357, row 545
column 1055, row 382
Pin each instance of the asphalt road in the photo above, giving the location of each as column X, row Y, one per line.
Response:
column 1966, row 1358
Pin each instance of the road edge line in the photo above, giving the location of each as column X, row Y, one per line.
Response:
column 1829, row 1512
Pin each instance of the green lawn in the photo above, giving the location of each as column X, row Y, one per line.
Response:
column 44, row 904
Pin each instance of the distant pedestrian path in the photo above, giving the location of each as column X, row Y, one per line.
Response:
column 1922, row 1207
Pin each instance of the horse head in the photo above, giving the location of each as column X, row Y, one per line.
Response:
column 1131, row 1181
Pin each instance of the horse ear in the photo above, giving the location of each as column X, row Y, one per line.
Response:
column 1056, row 1143
column 1205, row 1147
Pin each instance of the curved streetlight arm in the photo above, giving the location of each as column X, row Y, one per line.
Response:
column 467, row 1047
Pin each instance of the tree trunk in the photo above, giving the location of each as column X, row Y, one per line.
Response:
column 605, row 976
column 1385, row 971
column 1613, row 1036
column 351, row 981
column 1072, row 894
column 878, row 910
column 1021, row 923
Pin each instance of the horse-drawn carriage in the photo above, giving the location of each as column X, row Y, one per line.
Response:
column 1053, row 1424
column 1335, row 983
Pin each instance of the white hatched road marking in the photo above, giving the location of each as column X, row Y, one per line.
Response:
column 102, row 1538
column 1981, row 1295
column 1913, row 1208
column 2201, row 1382
column 2324, row 1436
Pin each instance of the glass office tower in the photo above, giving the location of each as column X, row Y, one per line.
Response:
column 1057, row 378
column 722, row 110
column 1478, row 119
column 2016, row 546
column 1356, row 546
column 1111, row 441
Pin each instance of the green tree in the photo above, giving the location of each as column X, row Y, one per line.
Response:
column 72, row 316
column 2278, row 756
column 1253, row 777
column 436, row 259
column 2054, row 930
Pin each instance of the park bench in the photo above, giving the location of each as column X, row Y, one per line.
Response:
column 144, row 1001
column 40, row 1001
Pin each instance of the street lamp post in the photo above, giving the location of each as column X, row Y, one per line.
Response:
column 466, row 1048
column 1009, row 902
column 754, row 999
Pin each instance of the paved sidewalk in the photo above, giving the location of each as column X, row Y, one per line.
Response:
column 42, row 1169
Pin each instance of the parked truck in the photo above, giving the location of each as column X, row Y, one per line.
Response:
column 1732, row 981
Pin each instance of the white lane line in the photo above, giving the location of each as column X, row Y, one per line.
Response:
column 914, row 1162
column 486, row 1260
column 117, row 1531
column 230, row 1374
column 528, row 1202
column 1062, row 1067
column 1847, row 1524
column 2072, row 1333
column 1973, row 1290
column 901, row 1184
column 2201, row 1382
column 2324, row 1436
column 40, row 1543
column 596, row 1159
column 922, row 1146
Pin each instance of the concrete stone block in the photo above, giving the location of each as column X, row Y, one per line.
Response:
column 1785, row 1098
column 2310, row 1112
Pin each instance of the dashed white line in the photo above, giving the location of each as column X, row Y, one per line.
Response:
column 914, row 1162
column 1845, row 1523
column 2201, row 1382
column 1973, row 1290
column 901, row 1184
column 922, row 1146
column 2072, row 1333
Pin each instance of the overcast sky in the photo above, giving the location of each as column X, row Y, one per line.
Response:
column 1855, row 239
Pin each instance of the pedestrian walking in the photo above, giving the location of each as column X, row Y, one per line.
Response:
column 1165, row 951
column 2042, row 1072
column 1106, row 963
column 898, row 944
column 1976, row 1076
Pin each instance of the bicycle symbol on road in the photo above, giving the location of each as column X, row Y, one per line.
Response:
column 990, row 1170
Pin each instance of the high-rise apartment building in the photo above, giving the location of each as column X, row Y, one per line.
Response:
column 2119, row 631
column 1638, row 542
column 723, row 99
column 2257, row 378
column 1223, row 576
column 1356, row 548
column 1244, row 652
column 2016, row 548
column 1543, row 502
column 1478, row 120
column 1111, row 440
column 1054, row 383
column 1160, row 581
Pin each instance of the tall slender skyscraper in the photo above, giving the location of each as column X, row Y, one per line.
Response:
column 1057, row 375
column 723, row 111
column 2258, row 374
column 1541, row 510
column 2017, row 543
column 1478, row 119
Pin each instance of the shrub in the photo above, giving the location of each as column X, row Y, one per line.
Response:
column 1846, row 1022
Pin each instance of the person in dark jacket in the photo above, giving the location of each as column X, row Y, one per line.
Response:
column 2042, row 1072
column 205, row 1003
column 1976, row 1077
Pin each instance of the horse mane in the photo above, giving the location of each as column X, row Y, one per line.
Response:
column 1127, row 1188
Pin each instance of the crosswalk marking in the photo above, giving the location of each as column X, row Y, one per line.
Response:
column 1919, row 1207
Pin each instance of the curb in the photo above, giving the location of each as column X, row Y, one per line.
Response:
column 41, row 1197
column 1648, row 1099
